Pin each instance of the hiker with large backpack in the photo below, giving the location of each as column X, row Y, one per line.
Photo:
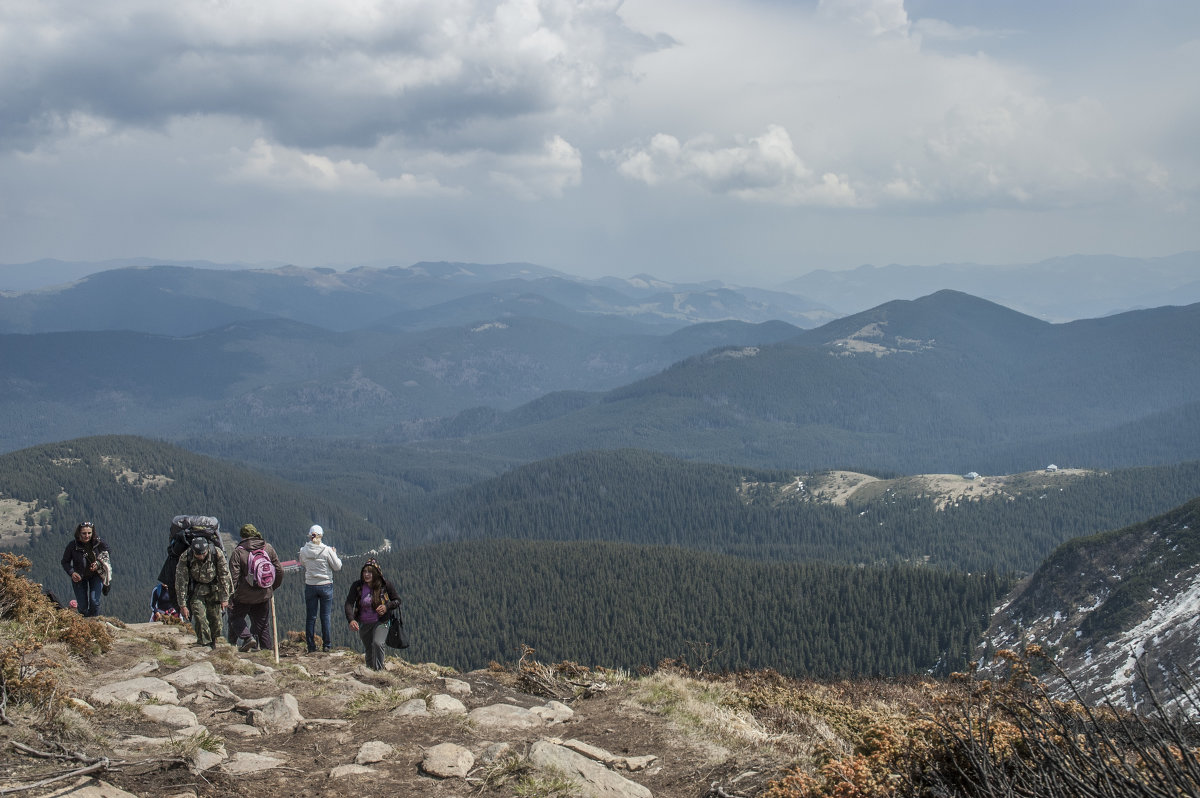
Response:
column 254, row 568
column 203, row 584
column 185, row 529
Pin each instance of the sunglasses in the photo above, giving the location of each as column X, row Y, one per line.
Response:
column 87, row 525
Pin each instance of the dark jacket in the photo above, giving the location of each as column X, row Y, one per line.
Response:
column 354, row 597
column 75, row 558
column 243, row 591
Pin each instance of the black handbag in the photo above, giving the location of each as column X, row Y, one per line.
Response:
column 395, row 636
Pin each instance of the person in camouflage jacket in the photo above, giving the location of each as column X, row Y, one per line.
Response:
column 203, row 586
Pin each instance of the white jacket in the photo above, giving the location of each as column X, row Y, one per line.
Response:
column 319, row 561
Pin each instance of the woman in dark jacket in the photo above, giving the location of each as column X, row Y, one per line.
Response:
column 369, row 607
column 86, row 562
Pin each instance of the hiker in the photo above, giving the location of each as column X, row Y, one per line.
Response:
column 319, row 561
column 185, row 529
column 86, row 561
column 369, row 608
column 202, row 583
column 253, row 586
column 161, row 606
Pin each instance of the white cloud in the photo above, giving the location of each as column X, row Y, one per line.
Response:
column 763, row 169
column 282, row 167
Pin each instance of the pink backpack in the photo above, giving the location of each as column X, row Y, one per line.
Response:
column 260, row 572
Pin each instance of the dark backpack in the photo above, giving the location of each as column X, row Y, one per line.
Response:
column 186, row 528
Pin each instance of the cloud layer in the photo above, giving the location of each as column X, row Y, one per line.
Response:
column 535, row 123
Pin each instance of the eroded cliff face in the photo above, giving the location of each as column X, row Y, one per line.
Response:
column 1118, row 612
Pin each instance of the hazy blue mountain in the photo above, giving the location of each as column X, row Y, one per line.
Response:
column 176, row 300
column 284, row 377
column 49, row 272
column 948, row 382
column 1058, row 289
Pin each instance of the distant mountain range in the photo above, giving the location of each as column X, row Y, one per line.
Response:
column 1058, row 289
column 945, row 383
column 178, row 300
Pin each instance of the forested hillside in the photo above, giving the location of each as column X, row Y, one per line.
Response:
column 642, row 497
column 623, row 605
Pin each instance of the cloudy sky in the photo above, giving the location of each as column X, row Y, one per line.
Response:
column 747, row 140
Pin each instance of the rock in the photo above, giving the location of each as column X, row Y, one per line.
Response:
column 134, row 691
column 372, row 752
column 281, row 715
column 351, row 685
column 636, row 762
column 505, row 716
column 496, row 752
column 596, row 780
column 219, row 690
column 455, row 687
column 413, row 708
column 192, row 675
column 246, row 762
column 448, row 761
column 141, row 669
column 348, row 771
column 79, row 705
column 89, row 788
column 247, row 704
column 442, row 704
column 206, row 760
column 169, row 715
column 554, row 712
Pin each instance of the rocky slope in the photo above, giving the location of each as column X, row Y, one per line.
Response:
column 1112, row 607
column 159, row 716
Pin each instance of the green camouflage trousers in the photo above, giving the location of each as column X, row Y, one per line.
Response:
column 206, row 618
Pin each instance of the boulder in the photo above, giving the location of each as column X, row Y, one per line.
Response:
column 413, row 708
column 442, row 704
column 168, row 715
column 596, row 781
column 372, row 752
column 505, row 716
column 349, row 771
column 280, row 715
column 448, row 761
column 134, row 691
column 192, row 675
column 245, row 762
column 554, row 712
column 455, row 687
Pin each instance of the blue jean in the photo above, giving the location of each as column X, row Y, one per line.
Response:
column 87, row 594
column 318, row 598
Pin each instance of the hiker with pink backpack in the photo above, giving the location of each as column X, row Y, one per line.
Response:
column 256, row 574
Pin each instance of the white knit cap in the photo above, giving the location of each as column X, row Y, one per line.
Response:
column 315, row 531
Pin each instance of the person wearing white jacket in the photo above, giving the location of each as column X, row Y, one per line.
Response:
column 319, row 561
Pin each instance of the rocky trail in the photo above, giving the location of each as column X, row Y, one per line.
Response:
column 160, row 716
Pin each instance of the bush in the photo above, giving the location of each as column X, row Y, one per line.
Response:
column 31, row 621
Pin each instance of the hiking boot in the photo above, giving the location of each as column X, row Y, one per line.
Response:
column 247, row 644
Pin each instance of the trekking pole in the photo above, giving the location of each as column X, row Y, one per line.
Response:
column 274, row 629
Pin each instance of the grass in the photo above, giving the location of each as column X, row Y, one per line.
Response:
column 375, row 700
column 545, row 785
